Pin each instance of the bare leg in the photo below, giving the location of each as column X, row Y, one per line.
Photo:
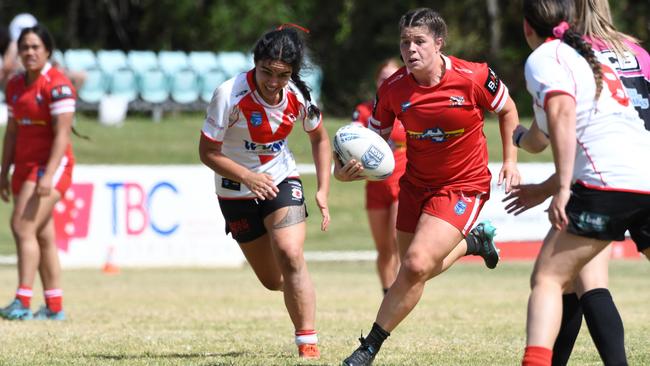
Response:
column 49, row 267
column 286, row 228
column 260, row 257
column 559, row 261
column 382, row 227
column 423, row 255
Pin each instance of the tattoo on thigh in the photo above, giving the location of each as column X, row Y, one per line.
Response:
column 295, row 215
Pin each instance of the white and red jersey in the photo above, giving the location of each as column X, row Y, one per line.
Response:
column 612, row 143
column 254, row 133
column 634, row 71
column 445, row 145
column 33, row 106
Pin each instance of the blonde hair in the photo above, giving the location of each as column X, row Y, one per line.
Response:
column 594, row 19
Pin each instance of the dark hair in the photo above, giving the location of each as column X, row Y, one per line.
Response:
column 544, row 15
column 286, row 45
column 42, row 33
column 5, row 38
column 425, row 17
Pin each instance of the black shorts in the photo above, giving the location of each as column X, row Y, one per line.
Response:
column 606, row 215
column 245, row 217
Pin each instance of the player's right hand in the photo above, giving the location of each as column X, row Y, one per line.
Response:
column 261, row 185
column 348, row 172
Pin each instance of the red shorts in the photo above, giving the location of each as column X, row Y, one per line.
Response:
column 382, row 194
column 458, row 209
column 30, row 173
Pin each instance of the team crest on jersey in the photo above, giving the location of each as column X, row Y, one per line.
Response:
column 406, row 105
column 456, row 101
column 460, row 207
column 61, row 92
column 492, row 83
column 372, row 158
column 256, row 118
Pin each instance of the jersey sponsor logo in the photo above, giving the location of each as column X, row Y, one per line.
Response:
column 638, row 100
column 230, row 184
column 372, row 158
column 492, row 83
column 435, row 134
column 61, row 92
column 264, row 149
column 406, row 105
column 455, row 101
column 239, row 94
column 296, row 193
column 460, row 207
column 256, row 119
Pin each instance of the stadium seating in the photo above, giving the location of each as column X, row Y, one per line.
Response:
column 202, row 61
column 184, row 87
column 209, row 81
column 111, row 60
column 165, row 80
column 154, row 88
column 232, row 63
column 79, row 59
column 172, row 61
column 94, row 86
column 123, row 83
column 141, row 61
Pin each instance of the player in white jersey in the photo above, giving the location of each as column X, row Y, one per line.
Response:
column 582, row 105
column 590, row 295
column 244, row 141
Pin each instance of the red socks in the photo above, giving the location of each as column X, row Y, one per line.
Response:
column 537, row 356
column 54, row 299
column 24, row 294
column 306, row 336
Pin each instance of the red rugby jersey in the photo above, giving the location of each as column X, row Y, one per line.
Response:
column 32, row 106
column 446, row 147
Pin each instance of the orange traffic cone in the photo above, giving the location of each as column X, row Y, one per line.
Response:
column 110, row 267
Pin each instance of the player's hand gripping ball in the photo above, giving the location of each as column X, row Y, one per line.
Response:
column 357, row 142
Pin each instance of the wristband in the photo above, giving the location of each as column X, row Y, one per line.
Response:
column 518, row 138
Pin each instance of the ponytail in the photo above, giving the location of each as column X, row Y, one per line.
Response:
column 312, row 109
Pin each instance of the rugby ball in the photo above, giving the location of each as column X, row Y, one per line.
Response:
column 354, row 141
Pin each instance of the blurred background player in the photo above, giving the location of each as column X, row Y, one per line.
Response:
column 590, row 294
column 381, row 196
column 41, row 103
column 244, row 140
column 440, row 100
column 600, row 189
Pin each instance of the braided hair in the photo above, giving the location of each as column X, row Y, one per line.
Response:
column 425, row 17
column 544, row 15
column 284, row 44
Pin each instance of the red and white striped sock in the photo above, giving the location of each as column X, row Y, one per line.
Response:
column 54, row 299
column 306, row 336
column 24, row 294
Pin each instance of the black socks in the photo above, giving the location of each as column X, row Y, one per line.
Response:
column 377, row 336
column 605, row 325
column 571, row 322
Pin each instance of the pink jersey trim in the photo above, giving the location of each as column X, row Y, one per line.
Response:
column 556, row 91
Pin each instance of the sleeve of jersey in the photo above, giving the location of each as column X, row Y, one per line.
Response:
column 310, row 124
column 217, row 115
column 382, row 118
column 545, row 76
column 62, row 97
column 492, row 93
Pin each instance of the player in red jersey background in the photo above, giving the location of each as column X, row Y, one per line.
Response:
column 441, row 101
column 41, row 104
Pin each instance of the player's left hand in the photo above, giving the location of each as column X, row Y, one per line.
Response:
column 510, row 175
column 525, row 196
column 321, row 201
column 44, row 186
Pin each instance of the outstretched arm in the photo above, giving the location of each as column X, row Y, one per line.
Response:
column 322, row 152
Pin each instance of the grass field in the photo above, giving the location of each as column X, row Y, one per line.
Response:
column 467, row 316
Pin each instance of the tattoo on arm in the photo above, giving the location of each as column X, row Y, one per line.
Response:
column 295, row 215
